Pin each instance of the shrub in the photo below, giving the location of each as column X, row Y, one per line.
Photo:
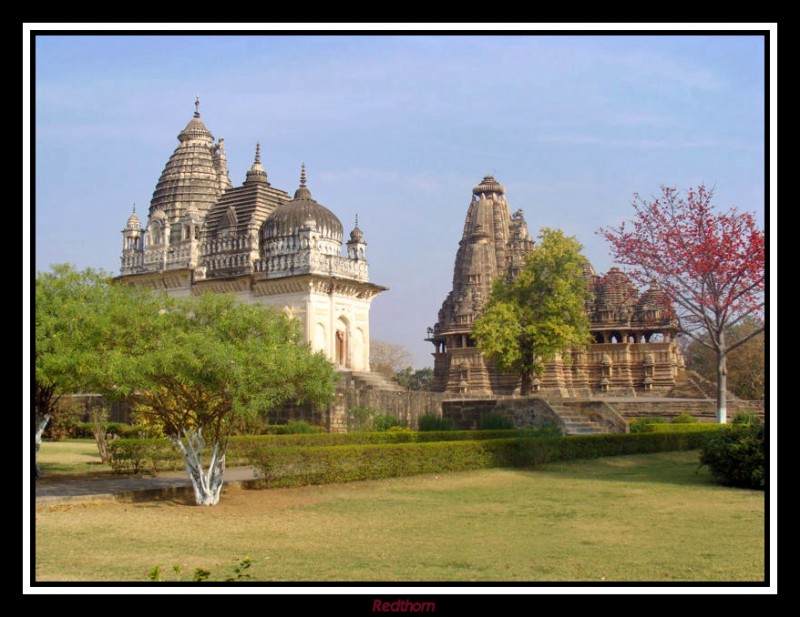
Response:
column 382, row 423
column 298, row 427
column 360, row 418
column 62, row 424
column 495, row 421
column 432, row 422
column 747, row 417
column 684, row 418
column 638, row 425
column 735, row 455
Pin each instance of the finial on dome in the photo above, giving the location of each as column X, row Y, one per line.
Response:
column 258, row 153
column 134, row 209
column 197, row 106
column 356, row 219
column 303, row 175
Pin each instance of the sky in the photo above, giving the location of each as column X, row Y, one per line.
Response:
column 397, row 130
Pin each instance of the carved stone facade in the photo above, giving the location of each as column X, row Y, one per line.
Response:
column 255, row 241
column 634, row 347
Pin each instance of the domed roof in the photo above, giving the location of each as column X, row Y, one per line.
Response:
column 196, row 130
column 133, row 221
column 191, row 173
column 655, row 298
column 489, row 185
column 289, row 218
column 356, row 235
column 615, row 289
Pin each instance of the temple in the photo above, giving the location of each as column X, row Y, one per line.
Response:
column 255, row 241
column 634, row 347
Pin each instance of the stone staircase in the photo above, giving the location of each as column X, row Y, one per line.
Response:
column 689, row 384
column 577, row 421
column 369, row 381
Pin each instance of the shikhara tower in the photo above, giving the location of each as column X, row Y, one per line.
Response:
column 634, row 347
column 256, row 241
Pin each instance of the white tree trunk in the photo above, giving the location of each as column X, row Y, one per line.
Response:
column 41, row 424
column 722, row 388
column 207, row 484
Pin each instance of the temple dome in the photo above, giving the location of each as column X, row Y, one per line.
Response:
column 489, row 185
column 133, row 221
column 195, row 172
column 303, row 213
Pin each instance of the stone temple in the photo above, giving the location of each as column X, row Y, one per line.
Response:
column 634, row 348
column 256, row 241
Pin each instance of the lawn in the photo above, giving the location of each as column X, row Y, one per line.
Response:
column 74, row 456
column 623, row 519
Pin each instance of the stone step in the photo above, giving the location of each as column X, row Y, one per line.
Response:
column 372, row 381
column 583, row 431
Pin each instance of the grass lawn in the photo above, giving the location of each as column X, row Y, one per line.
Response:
column 74, row 456
column 634, row 518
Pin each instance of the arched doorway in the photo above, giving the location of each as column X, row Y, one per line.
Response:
column 342, row 343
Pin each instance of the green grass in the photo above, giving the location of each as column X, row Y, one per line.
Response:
column 633, row 518
column 74, row 456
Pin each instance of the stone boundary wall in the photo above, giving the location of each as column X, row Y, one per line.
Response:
column 463, row 409
column 528, row 412
column 705, row 410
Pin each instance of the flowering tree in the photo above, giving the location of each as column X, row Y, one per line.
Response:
column 710, row 264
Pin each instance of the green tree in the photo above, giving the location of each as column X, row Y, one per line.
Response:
column 541, row 313
column 213, row 362
column 79, row 316
column 419, row 380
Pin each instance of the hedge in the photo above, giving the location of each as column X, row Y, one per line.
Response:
column 295, row 466
column 151, row 455
column 293, row 460
column 682, row 428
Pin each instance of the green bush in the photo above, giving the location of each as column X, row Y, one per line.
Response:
column 382, row 423
column 360, row 418
column 697, row 427
column 735, row 455
column 747, row 417
column 432, row 422
column 298, row 427
column 684, row 418
column 495, row 421
column 638, row 425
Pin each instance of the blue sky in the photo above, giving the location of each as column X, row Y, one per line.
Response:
column 398, row 129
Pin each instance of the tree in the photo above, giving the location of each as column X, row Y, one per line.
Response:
column 710, row 264
column 212, row 362
column 746, row 365
column 388, row 358
column 419, row 380
column 78, row 316
column 541, row 313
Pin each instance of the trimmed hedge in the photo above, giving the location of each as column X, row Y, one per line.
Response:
column 294, row 466
column 151, row 455
column 699, row 427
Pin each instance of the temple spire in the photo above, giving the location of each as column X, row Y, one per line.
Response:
column 258, row 153
column 302, row 175
column 197, row 106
